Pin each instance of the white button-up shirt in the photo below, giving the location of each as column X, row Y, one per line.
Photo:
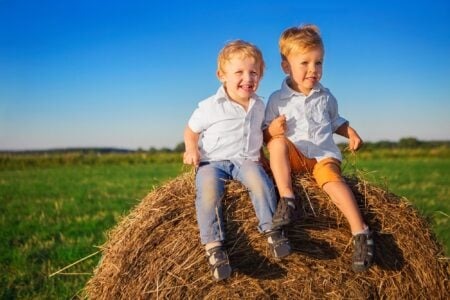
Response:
column 228, row 132
column 311, row 120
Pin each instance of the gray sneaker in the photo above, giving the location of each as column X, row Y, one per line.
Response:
column 279, row 245
column 219, row 263
column 363, row 252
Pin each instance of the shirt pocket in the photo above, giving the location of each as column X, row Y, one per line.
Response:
column 319, row 113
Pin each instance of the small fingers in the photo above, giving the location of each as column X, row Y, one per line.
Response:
column 190, row 160
column 195, row 161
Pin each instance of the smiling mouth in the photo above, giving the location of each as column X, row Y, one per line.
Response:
column 247, row 87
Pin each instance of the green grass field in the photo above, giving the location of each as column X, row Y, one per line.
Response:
column 54, row 213
column 51, row 217
column 424, row 182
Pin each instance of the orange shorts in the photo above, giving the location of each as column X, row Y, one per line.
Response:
column 323, row 171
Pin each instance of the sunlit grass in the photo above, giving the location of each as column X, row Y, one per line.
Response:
column 52, row 217
column 423, row 181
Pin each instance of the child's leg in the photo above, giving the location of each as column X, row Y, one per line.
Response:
column 262, row 194
column 343, row 198
column 261, row 191
column 327, row 173
column 280, row 166
column 210, row 185
column 284, row 159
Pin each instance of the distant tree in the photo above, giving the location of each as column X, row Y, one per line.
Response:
column 384, row 144
column 152, row 150
column 180, row 147
column 409, row 142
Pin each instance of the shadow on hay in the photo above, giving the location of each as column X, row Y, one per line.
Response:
column 244, row 258
column 388, row 254
column 255, row 265
column 304, row 244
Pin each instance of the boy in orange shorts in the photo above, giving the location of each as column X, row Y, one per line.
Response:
column 303, row 115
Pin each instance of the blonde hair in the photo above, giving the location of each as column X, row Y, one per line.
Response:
column 243, row 49
column 300, row 39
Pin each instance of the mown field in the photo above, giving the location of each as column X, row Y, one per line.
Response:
column 56, row 209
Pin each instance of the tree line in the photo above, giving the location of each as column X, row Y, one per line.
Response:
column 403, row 143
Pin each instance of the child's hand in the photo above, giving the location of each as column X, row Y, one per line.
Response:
column 354, row 141
column 191, row 157
column 278, row 126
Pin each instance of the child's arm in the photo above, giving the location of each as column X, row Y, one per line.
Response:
column 191, row 155
column 277, row 127
column 354, row 141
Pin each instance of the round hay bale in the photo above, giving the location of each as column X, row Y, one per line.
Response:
column 155, row 251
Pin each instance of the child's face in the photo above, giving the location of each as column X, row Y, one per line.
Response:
column 304, row 69
column 240, row 76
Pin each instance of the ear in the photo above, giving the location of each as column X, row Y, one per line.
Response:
column 285, row 66
column 219, row 75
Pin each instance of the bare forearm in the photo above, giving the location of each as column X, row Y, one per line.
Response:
column 354, row 140
column 190, row 139
column 343, row 130
column 192, row 155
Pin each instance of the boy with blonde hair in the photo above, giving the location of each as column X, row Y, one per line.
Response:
column 303, row 115
column 228, row 126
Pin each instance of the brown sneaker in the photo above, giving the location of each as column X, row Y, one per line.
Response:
column 363, row 252
column 285, row 212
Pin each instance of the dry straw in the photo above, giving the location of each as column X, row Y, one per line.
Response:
column 155, row 253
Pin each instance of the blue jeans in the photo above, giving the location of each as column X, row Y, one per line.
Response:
column 210, row 184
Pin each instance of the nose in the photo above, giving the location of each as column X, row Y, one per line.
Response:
column 247, row 76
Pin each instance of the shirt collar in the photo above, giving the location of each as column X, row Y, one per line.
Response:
column 287, row 91
column 221, row 95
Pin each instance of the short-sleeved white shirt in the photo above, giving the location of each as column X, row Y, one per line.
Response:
column 227, row 131
column 311, row 120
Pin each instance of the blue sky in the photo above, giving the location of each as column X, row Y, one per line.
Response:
column 129, row 73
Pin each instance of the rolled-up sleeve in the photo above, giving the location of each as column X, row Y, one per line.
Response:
column 270, row 114
column 198, row 121
column 335, row 119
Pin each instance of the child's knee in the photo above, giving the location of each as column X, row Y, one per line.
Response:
column 257, row 181
column 209, row 193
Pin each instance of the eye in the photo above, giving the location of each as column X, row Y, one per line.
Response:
column 319, row 63
column 238, row 72
column 254, row 73
column 304, row 63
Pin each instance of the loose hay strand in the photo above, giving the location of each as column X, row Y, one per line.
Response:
column 73, row 264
